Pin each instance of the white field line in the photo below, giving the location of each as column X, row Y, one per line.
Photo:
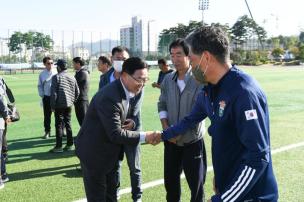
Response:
column 209, row 169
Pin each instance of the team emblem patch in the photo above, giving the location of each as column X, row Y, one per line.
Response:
column 251, row 114
column 222, row 108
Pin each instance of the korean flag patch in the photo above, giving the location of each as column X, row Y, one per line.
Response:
column 251, row 114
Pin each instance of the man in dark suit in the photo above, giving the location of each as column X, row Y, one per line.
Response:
column 100, row 139
column 133, row 122
column 82, row 78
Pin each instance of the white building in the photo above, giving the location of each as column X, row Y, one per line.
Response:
column 126, row 37
column 141, row 37
column 81, row 52
column 4, row 50
column 60, row 52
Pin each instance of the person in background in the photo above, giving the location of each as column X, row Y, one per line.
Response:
column 44, row 90
column 82, row 78
column 4, row 119
column 104, row 64
column 9, row 99
column 64, row 93
column 164, row 70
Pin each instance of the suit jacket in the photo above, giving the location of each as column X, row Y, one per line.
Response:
column 99, row 140
column 82, row 78
column 135, row 102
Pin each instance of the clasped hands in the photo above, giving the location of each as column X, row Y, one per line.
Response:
column 153, row 137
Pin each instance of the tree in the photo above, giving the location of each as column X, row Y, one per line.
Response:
column 30, row 40
column 277, row 52
column 295, row 51
column 301, row 37
column 15, row 42
column 288, row 41
column 181, row 31
column 301, row 52
column 246, row 28
column 275, row 42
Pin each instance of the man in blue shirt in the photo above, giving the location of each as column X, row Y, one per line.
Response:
column 238, row 112
column 44, row 90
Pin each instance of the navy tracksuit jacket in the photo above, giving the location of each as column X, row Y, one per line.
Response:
column 238, row 111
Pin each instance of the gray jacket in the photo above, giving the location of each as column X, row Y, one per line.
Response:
column 179, row 104
column 64, row 90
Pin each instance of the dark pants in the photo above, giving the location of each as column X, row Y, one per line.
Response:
column 2, row 162
column 4, row 142
column 4, row 151
column 99, row 188
column 81, row 108
column 191, row 159
column 133, row 160
column 47, row 112
column 63, row 119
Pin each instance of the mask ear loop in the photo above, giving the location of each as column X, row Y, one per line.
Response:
column 200, row 60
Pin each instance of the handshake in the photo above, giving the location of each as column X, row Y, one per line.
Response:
column 153, row 137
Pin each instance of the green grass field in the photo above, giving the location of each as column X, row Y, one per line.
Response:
column 37, row 175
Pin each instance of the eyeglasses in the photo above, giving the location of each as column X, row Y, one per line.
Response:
column 140, row 81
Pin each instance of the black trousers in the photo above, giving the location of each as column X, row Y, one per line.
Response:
column 101, row 187
column 47, row 112
column 63, row 119
column 191, row 159
column 81, row 108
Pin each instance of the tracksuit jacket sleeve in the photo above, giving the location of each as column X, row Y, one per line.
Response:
column 252, row 123
column 197, row 114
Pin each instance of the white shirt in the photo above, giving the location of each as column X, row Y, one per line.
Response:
column 128, row 96
column 181, row 85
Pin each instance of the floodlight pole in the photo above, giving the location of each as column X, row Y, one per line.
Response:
column 203, row 5
column 254, row 21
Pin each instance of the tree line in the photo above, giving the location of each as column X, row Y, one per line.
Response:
column 244, row 30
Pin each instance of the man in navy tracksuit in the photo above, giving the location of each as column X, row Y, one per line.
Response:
column 238, row 111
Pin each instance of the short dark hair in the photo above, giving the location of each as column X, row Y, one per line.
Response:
column 179, row 43
column 212, row 39
column 132, row 64
column 162, row 61
column 79, row 60
column 105, row 60
column 119, row 49
column 45, row 59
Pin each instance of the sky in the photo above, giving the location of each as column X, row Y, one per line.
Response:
column 106, row 17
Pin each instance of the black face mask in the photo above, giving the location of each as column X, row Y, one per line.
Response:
column 198, row 74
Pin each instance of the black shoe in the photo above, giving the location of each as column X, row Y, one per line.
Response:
column 4, row 177
column 68, row 148
column 56, row 150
